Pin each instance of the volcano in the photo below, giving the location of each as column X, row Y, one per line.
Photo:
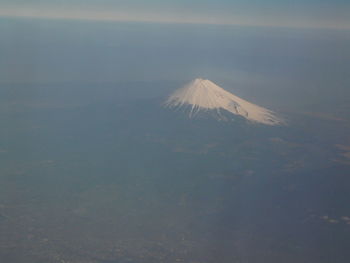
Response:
column 202, row 95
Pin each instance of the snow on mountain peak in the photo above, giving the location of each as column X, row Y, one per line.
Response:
column 202, row 94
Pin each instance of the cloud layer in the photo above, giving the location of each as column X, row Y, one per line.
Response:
column 309, row 14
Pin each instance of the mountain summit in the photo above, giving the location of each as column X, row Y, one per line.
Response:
column 204, row 95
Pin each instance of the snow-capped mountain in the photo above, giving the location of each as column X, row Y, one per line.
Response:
column 204, row 95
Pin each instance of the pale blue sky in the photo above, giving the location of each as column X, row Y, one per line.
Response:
column 297, row 13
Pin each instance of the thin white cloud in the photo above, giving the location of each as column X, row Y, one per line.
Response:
column 180, row 18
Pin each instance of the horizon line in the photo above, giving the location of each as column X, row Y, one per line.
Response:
column 197, row 21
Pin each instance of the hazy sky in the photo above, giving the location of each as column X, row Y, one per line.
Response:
column 290, row 13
